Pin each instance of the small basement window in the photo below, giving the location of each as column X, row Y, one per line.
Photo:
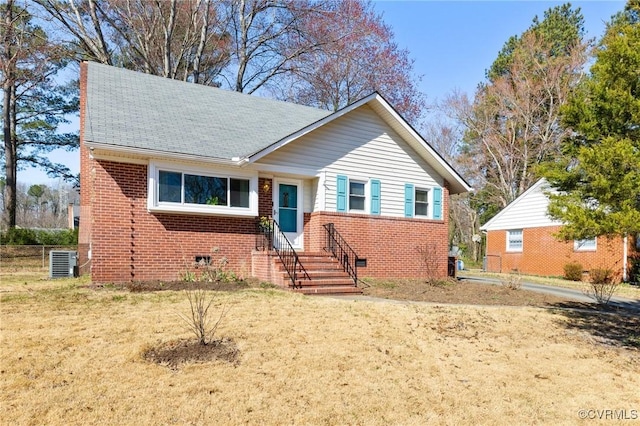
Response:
column 204, row 260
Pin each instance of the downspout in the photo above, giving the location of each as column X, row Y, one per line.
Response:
column 625, row 248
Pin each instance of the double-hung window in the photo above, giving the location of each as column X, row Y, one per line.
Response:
column 514, row 240
column 588, row 244
column 357, row 196
column 421, row 204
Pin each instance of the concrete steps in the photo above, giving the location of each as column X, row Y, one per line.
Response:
column 326, row 273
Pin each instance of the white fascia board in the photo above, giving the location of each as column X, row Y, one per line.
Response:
column 148, row 153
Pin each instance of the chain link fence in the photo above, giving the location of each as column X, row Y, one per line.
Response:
column 14, row 258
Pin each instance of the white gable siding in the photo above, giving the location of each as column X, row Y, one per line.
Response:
column 310, row 194
column 527, row 211
column 361, row 146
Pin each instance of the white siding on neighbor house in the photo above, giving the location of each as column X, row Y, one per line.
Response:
column 362, row 147
column 527, row 211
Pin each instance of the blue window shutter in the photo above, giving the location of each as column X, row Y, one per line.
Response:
column 437, row 203
column 408, row 200
column 341, row 193
column 375, row 196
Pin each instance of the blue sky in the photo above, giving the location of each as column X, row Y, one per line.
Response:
column 451, row 42
column 454, row 42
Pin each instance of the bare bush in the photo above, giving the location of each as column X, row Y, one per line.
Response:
column 430, row 260
column 207, row 269
column 200, row 319
column 512, row 282
column 602, row 285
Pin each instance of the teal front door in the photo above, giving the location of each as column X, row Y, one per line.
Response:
column 288, row 210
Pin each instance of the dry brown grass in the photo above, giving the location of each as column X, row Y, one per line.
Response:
column 73, row 356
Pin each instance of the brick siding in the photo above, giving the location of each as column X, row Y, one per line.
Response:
column 86, row 184
column 544, row 255
column 389, row 244
column 132, row 244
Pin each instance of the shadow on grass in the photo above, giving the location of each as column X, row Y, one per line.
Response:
column 615, row 325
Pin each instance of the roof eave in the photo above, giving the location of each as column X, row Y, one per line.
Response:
column 150, row 153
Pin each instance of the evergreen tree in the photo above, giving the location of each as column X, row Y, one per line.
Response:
column 34, row 104
column 599, row 173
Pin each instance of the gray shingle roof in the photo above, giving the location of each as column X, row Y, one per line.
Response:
column 135, row 110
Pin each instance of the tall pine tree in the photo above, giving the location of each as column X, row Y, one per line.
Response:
column 34, row 103
column 599, row 172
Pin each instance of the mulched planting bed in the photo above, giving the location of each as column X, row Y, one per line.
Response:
column 177, row 352
column 460, row 292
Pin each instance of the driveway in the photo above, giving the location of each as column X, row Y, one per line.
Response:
column 568, row 293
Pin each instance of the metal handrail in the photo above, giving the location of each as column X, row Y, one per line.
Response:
column 342, row 251
column 276, row 240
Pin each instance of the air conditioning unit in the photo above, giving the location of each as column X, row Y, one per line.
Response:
column 62, row 264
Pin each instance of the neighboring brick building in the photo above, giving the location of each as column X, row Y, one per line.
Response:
column 172, row 172
column 521, row 238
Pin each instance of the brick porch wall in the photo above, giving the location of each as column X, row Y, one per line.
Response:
column 544, row 255
column 388, row 244
column 131, row 244
column 263, row 266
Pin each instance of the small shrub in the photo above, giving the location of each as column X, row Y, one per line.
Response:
column 200, row 321
column 512, row 282
column 188, row 276
column 430, row 260
column 573, row 271
column 207, row 269
column 602, row 285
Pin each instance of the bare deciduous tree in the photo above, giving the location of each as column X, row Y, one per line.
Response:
column 357, row 57
column 185, row 40
column 513, row 123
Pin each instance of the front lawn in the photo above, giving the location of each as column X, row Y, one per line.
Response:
column 73, row 354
